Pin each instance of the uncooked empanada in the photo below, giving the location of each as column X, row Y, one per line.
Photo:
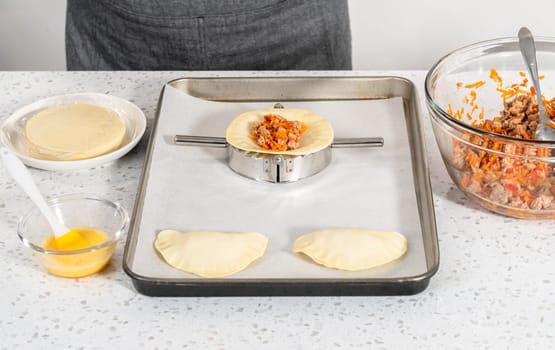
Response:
column 318, row 135
column 352, row 249
column 210, row 254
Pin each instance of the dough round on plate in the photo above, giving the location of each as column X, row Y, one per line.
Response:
column 74, row 131
column 208, row 253
column 318, row 135
column 352, row 249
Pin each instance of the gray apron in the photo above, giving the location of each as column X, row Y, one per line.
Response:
column 208, row 35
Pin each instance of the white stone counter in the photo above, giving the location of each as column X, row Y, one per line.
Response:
column 495, row 287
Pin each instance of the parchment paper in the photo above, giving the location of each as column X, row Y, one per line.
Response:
column 192, row 188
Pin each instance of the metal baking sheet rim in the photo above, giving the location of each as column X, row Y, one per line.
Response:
column 373, row 87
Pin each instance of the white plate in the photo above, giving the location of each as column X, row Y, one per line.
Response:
column 12, row 135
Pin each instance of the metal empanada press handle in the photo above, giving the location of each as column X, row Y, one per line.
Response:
column 220, row 142
column 276, row 167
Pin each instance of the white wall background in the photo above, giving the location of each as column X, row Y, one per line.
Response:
column 387, row 34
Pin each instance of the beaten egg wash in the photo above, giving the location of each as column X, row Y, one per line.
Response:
column 77, row 265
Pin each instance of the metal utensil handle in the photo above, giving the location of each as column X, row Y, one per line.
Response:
column 357, row 142
column 528, row 50
column 200, row 141
column 211, row 141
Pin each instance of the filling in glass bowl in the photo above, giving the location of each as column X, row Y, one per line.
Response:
column 519, row 182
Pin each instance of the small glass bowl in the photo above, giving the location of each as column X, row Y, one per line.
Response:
column 75, row 210
column 507, row 175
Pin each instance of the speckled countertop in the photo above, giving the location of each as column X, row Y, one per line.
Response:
column 495, row 287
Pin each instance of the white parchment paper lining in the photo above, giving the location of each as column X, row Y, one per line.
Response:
column 192, row 188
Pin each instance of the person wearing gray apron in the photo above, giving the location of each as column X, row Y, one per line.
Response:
column 208, row 35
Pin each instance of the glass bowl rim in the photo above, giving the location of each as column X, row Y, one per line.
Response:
column 458, row 124
column 69, row 197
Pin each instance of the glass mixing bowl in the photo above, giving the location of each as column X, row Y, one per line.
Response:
column 505, row 174
column 75, row 210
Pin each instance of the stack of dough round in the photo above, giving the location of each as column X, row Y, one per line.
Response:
column 73, row 132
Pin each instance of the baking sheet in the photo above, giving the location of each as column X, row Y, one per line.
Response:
column 192, row 188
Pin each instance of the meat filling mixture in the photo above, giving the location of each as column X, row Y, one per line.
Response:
column 275, row 133
column 518, row 182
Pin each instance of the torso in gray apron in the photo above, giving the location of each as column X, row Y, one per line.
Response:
column 207, row 35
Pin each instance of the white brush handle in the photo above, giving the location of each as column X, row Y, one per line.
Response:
column 22, row 176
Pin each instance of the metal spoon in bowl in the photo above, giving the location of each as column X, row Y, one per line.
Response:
column 22, row 176
column 545, row 130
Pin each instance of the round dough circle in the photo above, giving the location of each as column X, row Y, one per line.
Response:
column 318, row 135
column 73, row 132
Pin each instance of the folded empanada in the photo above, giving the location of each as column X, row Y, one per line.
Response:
column 208, row 253
column 352, row 249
